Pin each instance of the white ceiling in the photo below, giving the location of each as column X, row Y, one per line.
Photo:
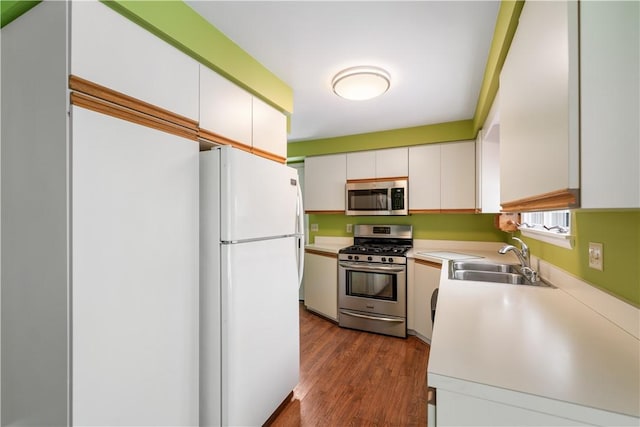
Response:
column 435, row 51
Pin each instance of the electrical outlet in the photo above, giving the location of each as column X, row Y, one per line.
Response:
column 314, row 227
column 596, row 256
column 349, row 228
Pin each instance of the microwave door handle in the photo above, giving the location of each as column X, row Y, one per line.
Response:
column 364, row 268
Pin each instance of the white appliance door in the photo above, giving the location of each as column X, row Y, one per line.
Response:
column 258, row 197
column 260, row 329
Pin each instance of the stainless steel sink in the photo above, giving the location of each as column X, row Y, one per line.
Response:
column 490, row 276
column 484, row 266
column 490, row 272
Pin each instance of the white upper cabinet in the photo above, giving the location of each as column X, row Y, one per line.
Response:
column 458, row 176
column 361, row 165
column 224, row 107
column 325, row 178
column 269, row 129
column 424, row 177
column 114, row 52
column 232, row 113
column 442, row 177
column 488, row 162
column 539, row 145
column 392, row 163
column 387, row 163
column 610, row 104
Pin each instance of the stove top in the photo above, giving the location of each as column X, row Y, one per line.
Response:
column 376, row 249
column 379, row 243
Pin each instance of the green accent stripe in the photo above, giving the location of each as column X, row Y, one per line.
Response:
column 179, row 25
column 506, row 25
column 11, row 9
column 442, row 132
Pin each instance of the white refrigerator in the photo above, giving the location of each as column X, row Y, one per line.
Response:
column 250, row 270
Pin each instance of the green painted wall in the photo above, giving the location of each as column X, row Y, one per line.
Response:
column 619, row 232
column 442, row 132
column 469, row 227
column 11, row 9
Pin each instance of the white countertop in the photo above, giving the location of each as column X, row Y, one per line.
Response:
column 538, row 341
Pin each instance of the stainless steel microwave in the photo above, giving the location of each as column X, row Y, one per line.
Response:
column 377, row 198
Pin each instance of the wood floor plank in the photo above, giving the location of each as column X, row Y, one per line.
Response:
column 354, row 378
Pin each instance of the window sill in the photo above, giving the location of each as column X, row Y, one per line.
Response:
column 563, row 240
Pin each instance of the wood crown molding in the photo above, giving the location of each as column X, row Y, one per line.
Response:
column 562, row 199
column 101, row 99
column 391, row 178
column 133, row 116
column 97, row 91
column 321, row 253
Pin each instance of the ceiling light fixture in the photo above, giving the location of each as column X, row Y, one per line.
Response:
column 361, row 83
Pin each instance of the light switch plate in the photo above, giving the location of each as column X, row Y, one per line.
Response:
column 596, row 256
column 314, row 227
column 349, row 228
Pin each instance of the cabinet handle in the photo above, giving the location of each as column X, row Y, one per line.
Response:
column 364, row 316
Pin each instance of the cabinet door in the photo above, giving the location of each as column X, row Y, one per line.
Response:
column 393, row 162
column 225, row 108
column 113, row 51
column 610, row 104
column 424, row 178
column 135, row 275
column 426, row 280
column 325, row 178
column 321, row 284
column 269, row 129
column 361, row 165
column 539, row 146
column 458, row 185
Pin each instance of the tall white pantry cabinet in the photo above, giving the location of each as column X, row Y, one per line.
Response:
column 99, row 224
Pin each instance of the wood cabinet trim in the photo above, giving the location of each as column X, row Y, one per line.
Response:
column 333, row 212
column 321, row 253
column 95, row 90
column 392, row 178
column 562, row 199
column 104, row 107
column 440, row 211
column 216, row 139
column 428, row 263
column 268, row 155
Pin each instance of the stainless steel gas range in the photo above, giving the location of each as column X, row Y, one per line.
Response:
column 372, row 279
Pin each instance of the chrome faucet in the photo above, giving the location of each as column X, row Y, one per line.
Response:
column 523, row 256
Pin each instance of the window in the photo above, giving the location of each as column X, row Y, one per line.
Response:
column 552, row 227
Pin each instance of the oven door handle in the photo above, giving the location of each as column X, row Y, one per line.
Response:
column 364, row 316
column 360, row 267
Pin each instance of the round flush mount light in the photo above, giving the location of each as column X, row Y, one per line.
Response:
column 361, row 83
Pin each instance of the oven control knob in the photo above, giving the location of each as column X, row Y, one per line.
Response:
column 356, row 257
column 390, row 259
column 350, row 257
column 369, row 258
column 383, row 259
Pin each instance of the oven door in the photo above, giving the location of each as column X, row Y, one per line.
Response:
column 373, row 288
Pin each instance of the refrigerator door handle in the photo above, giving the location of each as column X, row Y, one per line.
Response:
column 300, row 232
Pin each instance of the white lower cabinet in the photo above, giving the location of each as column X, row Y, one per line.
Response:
column 456, row 409
column 426, row 278
column 320, row 282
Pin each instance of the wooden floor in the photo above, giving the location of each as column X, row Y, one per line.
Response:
column 353, row 378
